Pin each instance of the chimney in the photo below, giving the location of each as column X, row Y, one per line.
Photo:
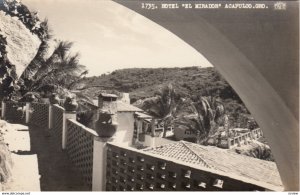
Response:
column 108, row 102
column 125, row 98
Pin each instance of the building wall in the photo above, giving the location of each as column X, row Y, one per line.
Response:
column 125, row 98
column 124, row 132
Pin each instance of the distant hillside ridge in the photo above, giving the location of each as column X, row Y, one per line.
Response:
column 192, row 82
column 143, row 82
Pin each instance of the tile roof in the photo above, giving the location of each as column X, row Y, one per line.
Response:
column 143, row 115
column 108, row 95
column 179, row 151
column 124, row 107
column 222, row 160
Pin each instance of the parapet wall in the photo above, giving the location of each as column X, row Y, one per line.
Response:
column 129, row 169
column 80, row 146
column 107, row 165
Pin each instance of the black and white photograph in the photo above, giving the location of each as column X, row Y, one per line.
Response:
column 149, row 95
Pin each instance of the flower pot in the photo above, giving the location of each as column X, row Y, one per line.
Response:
column 54, row 99
column 106, row 130
column 45, row 100
column 30, row 98
column 70, row 104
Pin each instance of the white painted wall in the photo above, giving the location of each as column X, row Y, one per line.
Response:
column 124, row 132
column 99, row 164
column 149, row 141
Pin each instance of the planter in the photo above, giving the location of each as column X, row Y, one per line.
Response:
column 45, row 100
column 70, row 104
column 105, row 127
column 54, row 99
column 142, row 137
column 30, row 98
column 106, row 130
column 5, row 99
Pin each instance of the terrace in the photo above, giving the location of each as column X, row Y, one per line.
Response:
column 74, row 157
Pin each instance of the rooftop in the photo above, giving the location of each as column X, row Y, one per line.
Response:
column 107, row 95
column 124, row 107
column 222, row 160
column 143, row 115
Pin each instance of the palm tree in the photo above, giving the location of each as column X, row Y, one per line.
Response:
column 59, row 54
column 60, row 69
column 163, row 106
column 61, row 73
column 202, row 117
column 45, row 33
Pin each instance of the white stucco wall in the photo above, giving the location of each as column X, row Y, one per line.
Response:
column 124, row 132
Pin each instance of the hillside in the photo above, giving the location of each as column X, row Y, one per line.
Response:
column 188, row 81
column 142, row 83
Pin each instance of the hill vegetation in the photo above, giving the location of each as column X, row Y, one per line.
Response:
column 191, row 82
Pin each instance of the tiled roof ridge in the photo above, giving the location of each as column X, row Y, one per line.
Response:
column 206, row 164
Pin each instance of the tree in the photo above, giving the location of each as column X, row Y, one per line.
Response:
column 163, row 106
column 202, row 116
column 39, row 59
column 61, row 69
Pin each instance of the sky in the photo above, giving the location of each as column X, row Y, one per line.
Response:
column 109, row 36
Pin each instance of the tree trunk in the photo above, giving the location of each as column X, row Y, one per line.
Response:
column 198, row 137
column 165, row 130
column 153, row 127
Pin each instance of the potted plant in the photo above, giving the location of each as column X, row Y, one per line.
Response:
column 54, row 99
column 105, row 127
column 70, row 104
column 30, row 97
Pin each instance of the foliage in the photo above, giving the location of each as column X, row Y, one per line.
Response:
column 193, row 82
column 85, row 117
column 60, row 70
column 257, row 150
column 31, row 97
column 163, row 105
column 143, row 82
column 203, row 117
column 15, row 8
column 7, row 76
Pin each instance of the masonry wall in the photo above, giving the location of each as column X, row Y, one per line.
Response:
column 39, row 114
column 125, row 127
column 57, row 121
column 80, row 142
column 133, row 170
column 124, row 168
column 15, row 111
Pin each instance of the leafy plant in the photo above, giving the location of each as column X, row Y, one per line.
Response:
column 163, row 106
column 202, row 117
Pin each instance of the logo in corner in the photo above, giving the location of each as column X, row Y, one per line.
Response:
column 280, row 5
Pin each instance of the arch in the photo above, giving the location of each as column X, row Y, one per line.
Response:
column 257, row 53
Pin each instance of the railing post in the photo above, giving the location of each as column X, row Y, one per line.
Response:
column 3, row 110
column 50, row 123
column 67, row 115
column 153, row 122
column 229, row 142
column 27, row 112
column 99, row 164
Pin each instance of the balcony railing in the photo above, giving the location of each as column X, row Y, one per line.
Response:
column 129, row 169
